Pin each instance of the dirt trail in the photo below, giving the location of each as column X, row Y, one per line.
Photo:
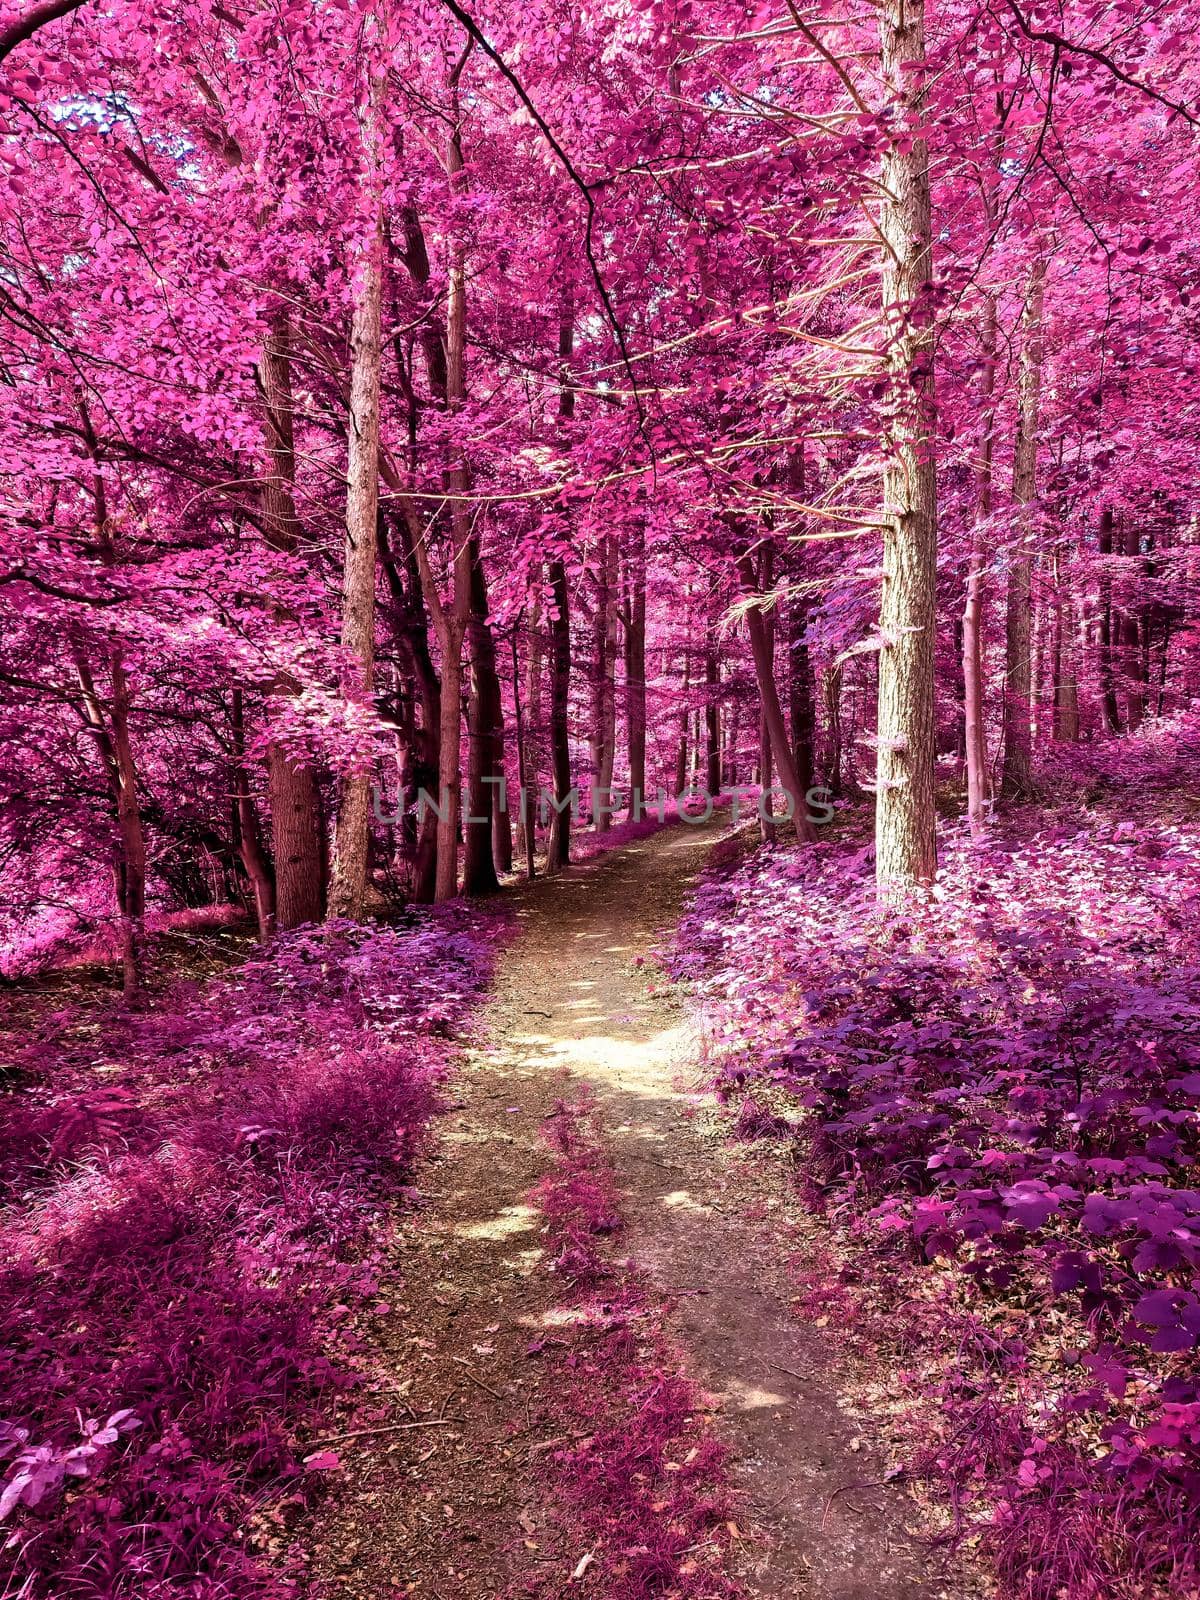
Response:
column 574, row 992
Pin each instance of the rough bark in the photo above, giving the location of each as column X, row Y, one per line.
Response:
column 115, row 742
column 253, row 857
column 1016, row 781
column 975, row 733
column 485, row 745
column 1110, row 705
column 635, row 663
column 293, row 789
column 712, row 711
column 768, row 690
column 558, row 848
column 905, row 836
column 348, row 879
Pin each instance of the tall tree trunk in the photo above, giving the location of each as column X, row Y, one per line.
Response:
column 526, row 778
column 1110, row 705
column 1133, row 653
column 1065, row 688
column 529, row 729
column 410, row 634
column 905, row 826
column 681, row 755
column 766, row 825
column 635, row 665
column 975, row 730
column 294, row 798
column 483, row 733
column 604, row 687
column 832, row 692
column 249, row 836
column 116, row 745
column 712, row 708
column 768, row 692
column 1016, row 781
column 348, row 879
column 451, row 621
column 558, row 848
column 800, row 691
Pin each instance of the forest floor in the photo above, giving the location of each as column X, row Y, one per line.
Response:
column 454, row 1504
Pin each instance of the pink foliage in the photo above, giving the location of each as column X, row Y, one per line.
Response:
column 182, row 1245
column 1001, row 1081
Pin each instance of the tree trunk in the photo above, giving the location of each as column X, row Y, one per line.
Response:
column 1108, row 688
column 483, row 734
column 410, row 634
column 905, row 829
column 526, row 839
column 712, row 711
column 249, row 836
column 635, row 666
column 766, row 825
column 975, row 729
column 604, row 686
column 681, row 755
column 1133, row 653
column 764, row 672
column 832, row 689
column 116, row 746
column 348, row 879
column 293, row 790
column 1016, row 781
column 558, row 848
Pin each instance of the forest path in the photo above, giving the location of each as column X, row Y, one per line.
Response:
column 575, row 994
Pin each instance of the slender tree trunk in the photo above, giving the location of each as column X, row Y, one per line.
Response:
column 766, row 825
column 410, row 632
column 348, row 879
column 294, row 798
column 712, row 710
column 905, row 828
column 681, row 756
column 483, row 736
column 1066, row 692
column 558, row 848
column 526, row 839
column 635, row 665
column 116, row 742
column 451, row 622
column 249, row 835
column 1133, row 653
column 975, row 730
column 832, row 691
column 1016, row 782
column 604, row 709
column 529, row 738
column 1108, row 688
column 764, row 672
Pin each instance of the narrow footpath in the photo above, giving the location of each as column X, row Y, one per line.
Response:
column 447, row 1509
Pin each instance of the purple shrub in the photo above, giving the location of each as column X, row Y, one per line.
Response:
column 1002, row 1081
column 180, row 1247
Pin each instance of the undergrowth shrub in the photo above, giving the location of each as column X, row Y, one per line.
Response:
column 181, row 1249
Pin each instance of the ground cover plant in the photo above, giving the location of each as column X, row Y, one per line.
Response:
column 195, row 1201
column 992, row 1096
